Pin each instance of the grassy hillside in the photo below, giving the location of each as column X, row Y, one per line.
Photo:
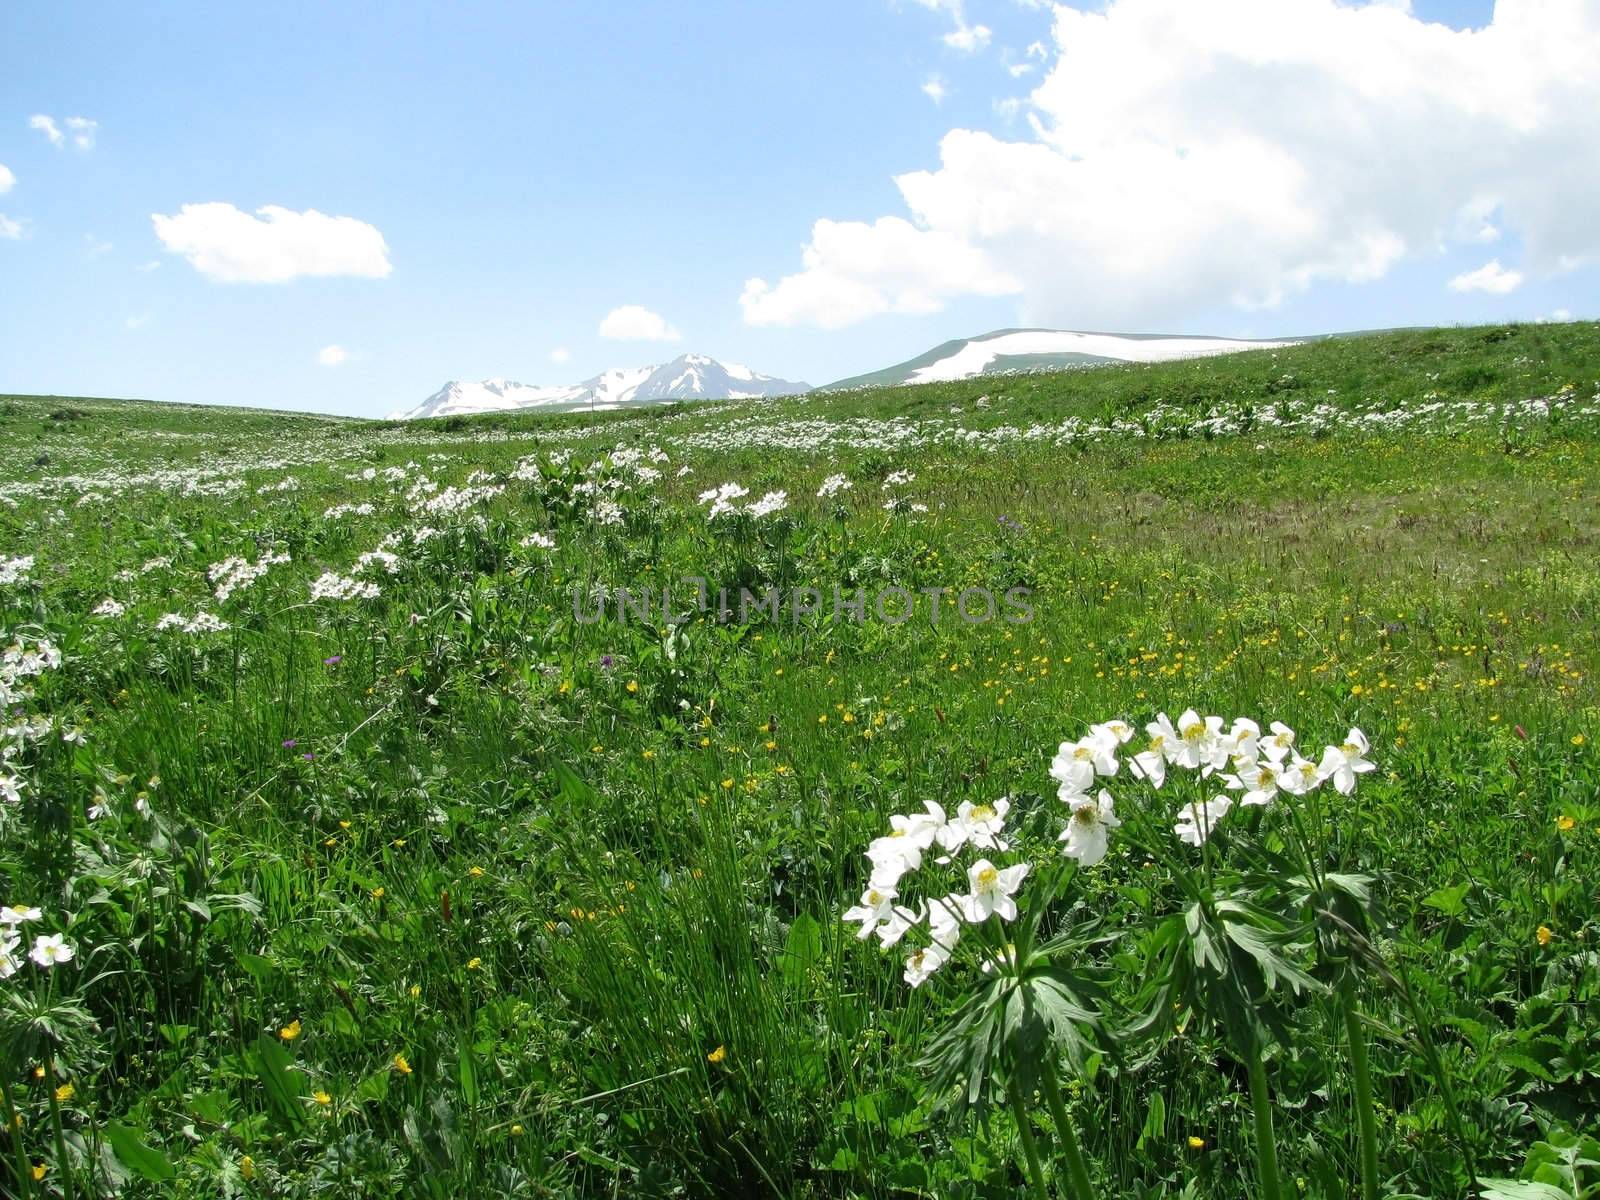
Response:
column 386, row 870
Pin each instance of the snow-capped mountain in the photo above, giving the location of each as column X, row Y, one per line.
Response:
column 1046, row 349
column 688, row 377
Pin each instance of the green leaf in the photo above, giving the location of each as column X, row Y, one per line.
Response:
column 802, row 951
column 1155, row 1122
column 1520, row 1189
column 145, row 1161
column 468, row 1073
column 1449, row 900
column 282, row 1084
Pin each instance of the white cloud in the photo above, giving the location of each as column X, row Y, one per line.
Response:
column 934, row 89
column 1187, row 155
column 47, row 126
column 9, row 230
column 147, row 267
column 853, row 270
column 332, row 356
column 93, row 247
column 273, row 246
column 7, row 179
column 1491, row 278
column 80, row 129
column 560, row 354
column 965, row 38
column 138, row 321
column 968, row 38
column 83, row 131
column 633, row 323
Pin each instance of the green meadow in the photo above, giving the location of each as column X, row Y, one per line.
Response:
column 377, row 851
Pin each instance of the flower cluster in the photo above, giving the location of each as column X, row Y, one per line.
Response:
column 331, row 585
column 201, row 622
column 933, row 837
column 722, row 500
column 232, row 574
column 15, row 570
column 1256, row 765
column 832, row 485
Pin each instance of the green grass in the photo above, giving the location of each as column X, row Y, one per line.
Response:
column 586, row 879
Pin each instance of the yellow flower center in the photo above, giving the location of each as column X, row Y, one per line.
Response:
column 981, row 812
column 988, row 877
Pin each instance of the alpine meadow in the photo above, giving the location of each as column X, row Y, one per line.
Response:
column 1133, row 781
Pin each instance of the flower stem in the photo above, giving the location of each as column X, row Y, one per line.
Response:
column 23, row 1168
column 1266, row 1139
column 1030, row 1149
column 1077, row 1168
column 1361, row 1095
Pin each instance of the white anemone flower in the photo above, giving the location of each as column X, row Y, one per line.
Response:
column 1198, row 820
column 16, row 914
column 1297, row 775
column 921, row 964
column 1344, row 762
column 1280, row 744
column 991, row 891
column 1076, row 764
column 978, row 825
column 1197, row 740
column 901, row 849
column 1117, row 731
column 875, row 908
column 10, row 963
column 1086, row 832
column 897, row 926
column 50, row 949
column 944, row 921
column 1258, row 780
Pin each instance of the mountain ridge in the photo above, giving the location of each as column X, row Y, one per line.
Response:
column 1002, row 351
column 687, row 377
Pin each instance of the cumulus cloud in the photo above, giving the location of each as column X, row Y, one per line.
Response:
column 7, row 179
column 560, row 354
column 9, row 230
column 634, row 323
column 332, row 356
column 1491, row 278
column 272, row 246
column 933, row 89
column 853, row 270
column 1185, row 155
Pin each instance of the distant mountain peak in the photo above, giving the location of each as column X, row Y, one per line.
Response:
column 687, row 377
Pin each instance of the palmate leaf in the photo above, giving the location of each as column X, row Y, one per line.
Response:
column 1010, row 1028
column 1263, row 947
column 1521, row 1189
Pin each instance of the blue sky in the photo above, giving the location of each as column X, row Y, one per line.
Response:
column 531, row 168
